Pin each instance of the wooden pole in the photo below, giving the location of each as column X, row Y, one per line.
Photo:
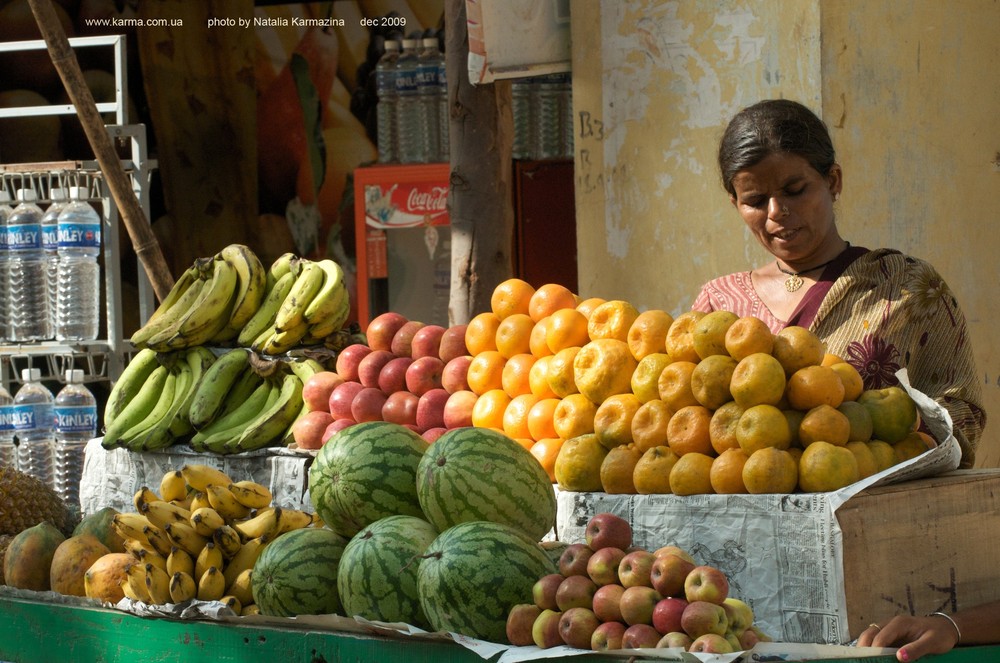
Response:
column 64, row 59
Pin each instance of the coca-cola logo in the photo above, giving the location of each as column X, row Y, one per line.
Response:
column 435, row 200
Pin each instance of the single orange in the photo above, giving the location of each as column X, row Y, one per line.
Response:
column 481, row 333
column 674, row 384
column 588, row 305
column 646, row 377
column 618, row 470
column 849, row 376
column 648, row 333
column 489, row 409
column 546, row 451
column 771, row 470
column 860, row 419
column 797, row 347
column 538, row 380
column 510, row 297
column 515, row 416
column 548, row 299
column 613, row 419
column 485, row 372
column 651, row 475
column 525, row 442
column 911, row 446
column 578, row 465
column 814, row 385
column 762, row 426
column 603, row 368
column 709, row 334
column 537, row 341
column 649, row 425
column 829, row 359
column 824, row 423
column 679, row 344
column 885, row 455
column 687, row 431
column 722, row 428
column 612, row 319
column 515, row 376
column 867, row 465
column 540, row 418
column 566, row 328
column 560, row 372
column 710, row 380
column 691, row 475
column 574, row 416
column 758, row 379
column 824, row 467
column 513, row 335
column 726, row 475
column 747, row 336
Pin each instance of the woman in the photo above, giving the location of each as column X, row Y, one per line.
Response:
column 878, row 309
column 936, row 633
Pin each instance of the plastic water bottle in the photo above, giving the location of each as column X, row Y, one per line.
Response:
column 8, row 450
column 34, row 425
column 78, row 294
column 566, row 109
column 522, row 109
column 385, row 110
column 409, row 109
column 5, row 210
column 548, row 117
column 428, row 63
column 50, row 235
column 76, row 424
column 28, row 309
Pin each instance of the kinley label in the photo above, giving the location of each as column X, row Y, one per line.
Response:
column 23, row 417
column 79, row 235
column 26, row 237
column 76, row 419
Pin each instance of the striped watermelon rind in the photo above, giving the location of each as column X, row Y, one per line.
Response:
column 296, row 574
column 474, row 573
column 481, row 474
column 377, row 579
column 364, row 473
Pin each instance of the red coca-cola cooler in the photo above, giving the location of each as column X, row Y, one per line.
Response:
column 403, row 241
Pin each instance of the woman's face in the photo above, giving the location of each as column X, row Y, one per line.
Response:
column 788, row 206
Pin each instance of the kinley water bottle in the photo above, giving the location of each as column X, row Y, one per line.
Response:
column 33, row 426
column 76, row 424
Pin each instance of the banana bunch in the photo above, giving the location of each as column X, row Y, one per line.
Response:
column 209, row 304
column 236, row 409
column 200, row 537
column 305, row 302
column 148, row 408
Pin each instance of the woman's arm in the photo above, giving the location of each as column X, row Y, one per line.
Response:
column 937, row 633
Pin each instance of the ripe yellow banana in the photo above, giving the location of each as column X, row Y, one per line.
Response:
column 251, row 289
column 209, row 314
column 308, row 282
column 280, row 342
column 281, row 266
column 206, row 520
column 200, row 476
column 182, row 534
column 162, row 513
column 210, row 394
column 242, row 587
column 137, row 409
column 211, row 585
column 129, row 383
column 209, row 556
column 130, row 526
column 135, row 580
column 228, row 541
column 263, row 524
column 138, row 549
column 251, row 494
column 250, row 610
column 166, row 313
column 142, row 496
column 291, row 519
column 173, row 487
column 180, row 560
column 244, row 559
column 327, row 301
column 158, row 541
column 154, row 335
column 158, row 584
column 182, row 587
column 272, row 424
column 199, row 500
column 266, row 314
column 232, row 603
column 223, row 501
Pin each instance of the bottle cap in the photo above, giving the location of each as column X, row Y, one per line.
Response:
column 430, row 41
column 74, row 376
column 4, row 196
column 31, row 374
column 26, row 195
column 391, row 45
column 57, row 193
column 78, row 193
column 409, row 43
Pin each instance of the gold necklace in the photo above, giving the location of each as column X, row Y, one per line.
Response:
column 794, row 280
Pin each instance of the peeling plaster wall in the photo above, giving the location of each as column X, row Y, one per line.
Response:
column 911, row 93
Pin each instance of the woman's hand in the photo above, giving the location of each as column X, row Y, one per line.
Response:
column 916, row 636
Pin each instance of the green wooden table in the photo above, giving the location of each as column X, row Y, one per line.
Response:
column 42, row 632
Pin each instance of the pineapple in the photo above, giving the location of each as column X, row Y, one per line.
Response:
column 25, row 501
column 5, row 540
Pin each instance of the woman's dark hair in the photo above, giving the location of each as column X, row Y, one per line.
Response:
column 772, row 127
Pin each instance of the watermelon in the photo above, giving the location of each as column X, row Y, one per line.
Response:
column 474, row 573
column 296, row 574
column 364, row 473
column 481, row 474
column 378, row 572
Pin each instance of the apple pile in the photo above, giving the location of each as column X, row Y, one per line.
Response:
column 611, row 595
column 409, row 373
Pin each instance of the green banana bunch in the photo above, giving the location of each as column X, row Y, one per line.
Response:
column 128, row 384
column 137, row 409
column 269, row 427
column 263, row 320
column 220, row 377
column 228, row 427
column 183, row 293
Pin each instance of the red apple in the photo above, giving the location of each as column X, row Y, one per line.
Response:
column 640, row 636
column 430, row 409
column 669, row 573
column 426, row 341
column 637, row 604
column 341, row 399
column 337, row 426
column 602, row 567
column 677, row 639
column 317, row 388
column 545, row 630
column 706, row 583
column 402, row 342
column 543, row 592
column 607, row 603
column 393, row 375
column 607, row 636
column 573, row 561
column 520, row 619
column 667, row 614
column 423, row 375
column 382, row 328
column 309, row 429
column 711, row 643
column 577, row 626
column 701, row 617
column 455, row 376
column 432, row 434
column 575, row 592
column 635, row 568
column 675, row 550
column 453, row 343
column 348, row 360
column 370, row 366
column 400, row 407
column 739, row 614
column 367, row 405
column 606, row 530
column 458, row 409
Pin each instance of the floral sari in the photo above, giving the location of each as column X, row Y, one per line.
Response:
column 881, row 311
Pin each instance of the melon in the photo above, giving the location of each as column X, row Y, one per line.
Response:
column 481, row 474
column 364, row 473
column 377, row 579
column 474, row 573
column 296, row 574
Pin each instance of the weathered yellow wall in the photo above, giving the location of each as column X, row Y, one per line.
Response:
column 909, row 90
